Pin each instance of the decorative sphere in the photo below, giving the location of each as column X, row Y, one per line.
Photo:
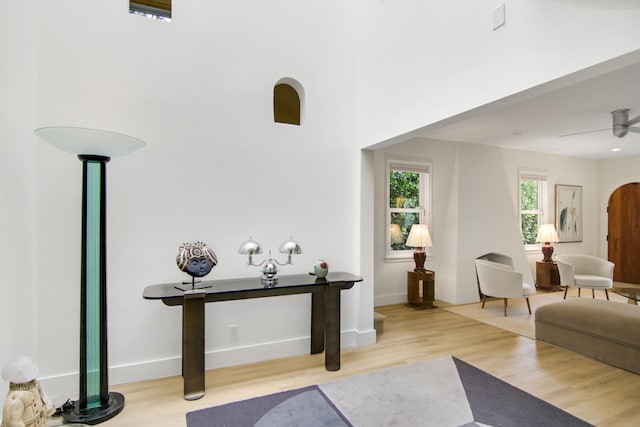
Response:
column 270, row 269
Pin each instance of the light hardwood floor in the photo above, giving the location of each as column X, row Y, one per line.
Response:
column 597, row 393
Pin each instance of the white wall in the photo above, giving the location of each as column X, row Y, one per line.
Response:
column 391, row 276
column 216, row 168
column 613, row 173
column 18, row 265
column 422, row 62
column 475, row 211
column 568, row 171
column 488, row 219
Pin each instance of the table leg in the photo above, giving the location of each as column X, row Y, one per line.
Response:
column 332, row 326
column 413, row 293
column 193, row 345
column 317, row 321
column 428, row 291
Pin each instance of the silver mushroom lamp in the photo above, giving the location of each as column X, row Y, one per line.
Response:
column 270, row 269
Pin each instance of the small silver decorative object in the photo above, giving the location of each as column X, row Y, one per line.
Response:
column 269, row 272
column 270, row 269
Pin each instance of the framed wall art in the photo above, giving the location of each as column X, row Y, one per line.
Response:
column 569, row 213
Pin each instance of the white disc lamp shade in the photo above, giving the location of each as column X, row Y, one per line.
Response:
column 547, row 234
column 94, row 148
column 419, row 238
column 77, row 140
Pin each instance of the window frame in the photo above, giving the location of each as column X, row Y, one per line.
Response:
column 425, row 169
column 160, row 10
column 542, row 211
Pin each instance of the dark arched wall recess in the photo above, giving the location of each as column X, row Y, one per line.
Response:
column 286, row 104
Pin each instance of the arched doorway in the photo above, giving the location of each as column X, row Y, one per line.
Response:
column 623, row 237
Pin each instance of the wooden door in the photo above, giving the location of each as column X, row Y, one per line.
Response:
column 624, row 233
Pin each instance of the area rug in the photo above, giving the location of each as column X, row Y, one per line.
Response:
column 439, row 392
column 518, row 319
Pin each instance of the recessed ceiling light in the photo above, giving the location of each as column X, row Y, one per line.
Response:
column 616, row 149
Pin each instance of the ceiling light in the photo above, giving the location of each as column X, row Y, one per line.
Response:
column 616, row 149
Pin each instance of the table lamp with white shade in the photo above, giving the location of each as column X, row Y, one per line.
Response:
column 547, row 234
column 419, row 238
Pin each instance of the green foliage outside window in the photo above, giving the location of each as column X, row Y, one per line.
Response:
column 404, row 193
column 404, row 189
column 530, row 221
column 529, row 228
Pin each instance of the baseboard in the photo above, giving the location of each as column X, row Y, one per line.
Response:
column 354, row 338
column 59, row 388
column 389, row 299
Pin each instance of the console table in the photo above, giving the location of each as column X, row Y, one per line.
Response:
column 325, row 314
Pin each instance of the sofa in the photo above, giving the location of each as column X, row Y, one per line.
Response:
column 604, row 330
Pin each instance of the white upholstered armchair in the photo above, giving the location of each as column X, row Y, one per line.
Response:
column 585, row 271
column 500, row 281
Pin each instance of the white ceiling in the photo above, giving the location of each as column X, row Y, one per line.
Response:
column 535, row 124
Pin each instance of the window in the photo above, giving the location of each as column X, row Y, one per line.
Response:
column 157, row 9
column 533, row 196
column 407, row 204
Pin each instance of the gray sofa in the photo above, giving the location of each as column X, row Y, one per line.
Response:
column 603, row 330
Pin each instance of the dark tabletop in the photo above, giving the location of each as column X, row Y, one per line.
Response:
column 286, row 284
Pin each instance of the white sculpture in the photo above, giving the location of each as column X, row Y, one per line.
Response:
column 27, row 405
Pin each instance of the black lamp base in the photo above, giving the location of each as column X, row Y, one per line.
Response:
column 94, row 416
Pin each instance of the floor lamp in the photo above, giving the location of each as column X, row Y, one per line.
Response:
column 94, row 148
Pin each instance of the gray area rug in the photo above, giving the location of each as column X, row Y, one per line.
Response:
column 440, row 392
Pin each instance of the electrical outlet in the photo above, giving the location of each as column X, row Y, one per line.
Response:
column 233, row 330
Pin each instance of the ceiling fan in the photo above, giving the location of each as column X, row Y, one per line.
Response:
column 621, row 124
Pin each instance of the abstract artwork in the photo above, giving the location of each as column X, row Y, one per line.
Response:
column 569, row 213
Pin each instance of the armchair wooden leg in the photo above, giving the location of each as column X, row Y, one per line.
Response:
column 606, row 292
column 579, row 292
column 593, row 293
column 505, row 307
column 484, row 298
column 566, row 288
column 528, row 305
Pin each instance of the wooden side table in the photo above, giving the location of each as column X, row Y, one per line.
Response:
column 547, row 276
column 428, row 279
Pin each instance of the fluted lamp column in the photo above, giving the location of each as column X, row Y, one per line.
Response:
column 547, row 234
column 419, row 238
column 94, row 148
